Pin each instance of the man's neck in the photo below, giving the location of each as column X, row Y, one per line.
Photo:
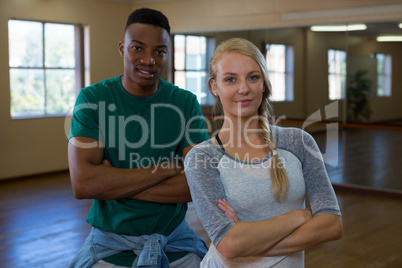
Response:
column 138, row 90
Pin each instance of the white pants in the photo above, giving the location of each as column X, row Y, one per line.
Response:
column 214, row 259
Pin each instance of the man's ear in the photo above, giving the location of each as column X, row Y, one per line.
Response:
column 121, row 48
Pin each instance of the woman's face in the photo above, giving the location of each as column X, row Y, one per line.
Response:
column 239, row 83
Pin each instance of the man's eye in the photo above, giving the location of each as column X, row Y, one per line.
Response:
column 136, row 48
column 160, row 52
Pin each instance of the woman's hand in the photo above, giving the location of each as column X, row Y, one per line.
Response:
column 230, row 213
column 228, row 210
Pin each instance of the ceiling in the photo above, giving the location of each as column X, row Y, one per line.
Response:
column 377, row 28
column 373, row 28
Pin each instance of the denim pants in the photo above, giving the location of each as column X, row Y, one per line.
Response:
column 150, row 249
column 191, row 260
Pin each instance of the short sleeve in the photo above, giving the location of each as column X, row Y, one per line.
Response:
column 206, row 189
column 195, row 131
column 319, row 189
column 85, row 120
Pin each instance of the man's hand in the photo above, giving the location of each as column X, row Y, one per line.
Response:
column 106, row 163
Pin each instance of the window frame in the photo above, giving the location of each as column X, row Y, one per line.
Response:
column 79, row 67
column 210, row 46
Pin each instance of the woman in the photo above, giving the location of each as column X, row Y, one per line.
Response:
column 263, row 171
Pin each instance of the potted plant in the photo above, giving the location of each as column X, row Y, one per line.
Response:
column 357, row 97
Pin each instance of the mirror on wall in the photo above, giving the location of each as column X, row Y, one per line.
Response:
column 373, row 107
column 329, row 67
column 374, row 65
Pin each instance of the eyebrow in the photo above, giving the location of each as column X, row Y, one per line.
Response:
column 142, row 43
column 255, row 71
column 229, row 74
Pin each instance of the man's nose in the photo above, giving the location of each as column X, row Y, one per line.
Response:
column 148, row 59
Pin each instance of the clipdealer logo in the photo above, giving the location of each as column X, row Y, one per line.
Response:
column 109, row 125
column 121, row 122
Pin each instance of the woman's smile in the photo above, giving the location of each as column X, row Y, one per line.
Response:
column 243, row 102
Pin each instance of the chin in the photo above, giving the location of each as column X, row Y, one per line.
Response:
column 249, row 113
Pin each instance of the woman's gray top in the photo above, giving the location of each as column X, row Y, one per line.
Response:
column 213, row 174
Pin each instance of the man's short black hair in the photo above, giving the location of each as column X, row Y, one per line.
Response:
column 149, row 16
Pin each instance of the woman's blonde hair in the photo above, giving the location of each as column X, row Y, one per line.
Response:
column 277, row 171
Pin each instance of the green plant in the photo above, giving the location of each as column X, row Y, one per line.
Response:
column 357, row 96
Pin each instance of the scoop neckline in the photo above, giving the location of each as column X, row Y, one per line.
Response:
column 264, row 159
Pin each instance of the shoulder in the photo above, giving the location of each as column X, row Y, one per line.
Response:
column 204, row 151
column 102, row 87
column 181, row 99
column 205, row 148
column 175, row 91
column 296, row 141
column 290, row 136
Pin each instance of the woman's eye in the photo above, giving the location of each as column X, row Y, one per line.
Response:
column 230, row 79
column 253, row 78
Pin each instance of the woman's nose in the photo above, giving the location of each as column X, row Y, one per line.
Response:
column 243, row 88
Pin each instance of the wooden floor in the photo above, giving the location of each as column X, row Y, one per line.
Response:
column 42, row 225
column 366, row 157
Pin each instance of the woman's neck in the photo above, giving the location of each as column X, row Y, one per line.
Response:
column 241, row 132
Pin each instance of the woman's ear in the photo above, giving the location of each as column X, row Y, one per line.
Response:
column 265, row 90
column 212, row 86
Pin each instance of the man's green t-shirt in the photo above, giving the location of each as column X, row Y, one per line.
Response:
column 138, row 132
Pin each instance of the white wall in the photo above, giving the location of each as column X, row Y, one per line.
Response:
column 30, row 146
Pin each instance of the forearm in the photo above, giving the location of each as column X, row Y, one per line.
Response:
column 254, row 238
column 94, row 178
column 171, row 190
column 105, row 182
column 320, row 229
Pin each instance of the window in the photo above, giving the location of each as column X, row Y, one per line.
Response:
column 336, row 74
column 45, row 69
column 191, row 56
column 384, row 74
column 280, row 64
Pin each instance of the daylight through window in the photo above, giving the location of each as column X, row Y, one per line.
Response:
column 280, row 62
column 191, row 54
column 384, row 74
column 44, row 65
column 336, row 74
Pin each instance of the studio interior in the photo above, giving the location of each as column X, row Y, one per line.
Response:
column 335, row 69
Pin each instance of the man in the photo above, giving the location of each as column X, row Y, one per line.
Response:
column 127, row 135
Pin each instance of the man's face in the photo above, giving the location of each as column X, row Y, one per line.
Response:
column 144, row 51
